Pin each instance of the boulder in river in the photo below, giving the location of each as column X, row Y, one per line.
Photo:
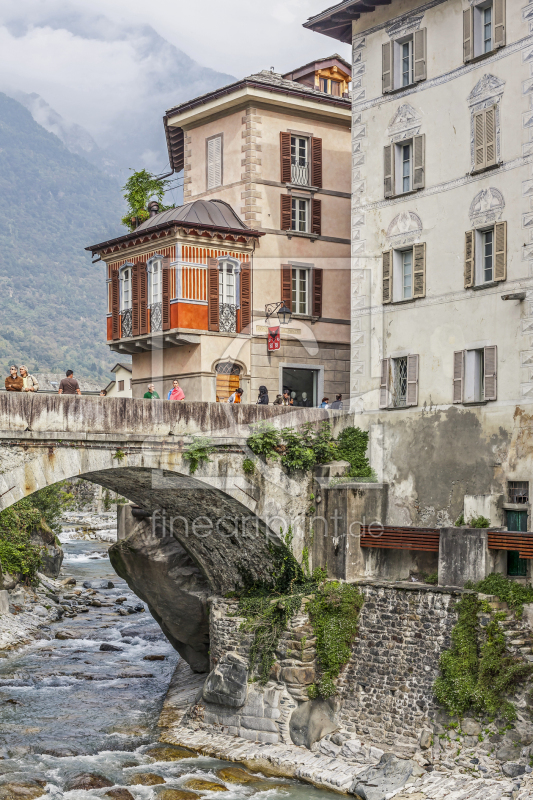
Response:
column 87, row 780
column 51, row 551
column 204, row 786
column 146, row 779
column 64, row 635
column 23, row 790
column 111, row 648
column 170, row 753
column 119, row 794
column 176, row 794
column 236, row 775
column 154, row 657
column 98, row 585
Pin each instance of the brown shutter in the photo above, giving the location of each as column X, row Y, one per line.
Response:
column 316, row 162
column 388, row 162
column 458, row 375
column 165, row 293
column 470, row 256
column 316, row 217
column 500, row 251
column 115, row 304
column 135, row 306
column 286, row 286
column 387, row 276
column 285, row 144
column 286, row 212
column 419, row 50
column 419, row 270
column 479, row 140
column 143, row 298
column 384, row 383
column 317, row 292
column 490, row 378
column 419, row 161
column 212, row 295
column 499, row 23
column 246, row 296
column 387, row 66
column 468, row 34
column 490, row 136
column 412, row 381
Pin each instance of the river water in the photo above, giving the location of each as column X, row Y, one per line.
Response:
column 67, row 707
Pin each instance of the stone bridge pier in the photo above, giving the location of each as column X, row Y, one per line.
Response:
column 194, row 535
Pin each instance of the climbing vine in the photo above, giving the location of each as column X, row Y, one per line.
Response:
column 198, row 452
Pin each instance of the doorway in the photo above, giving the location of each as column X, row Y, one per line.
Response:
column 516, row 566
column 302, row 385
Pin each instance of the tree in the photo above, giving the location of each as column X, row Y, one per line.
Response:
column 138, row 190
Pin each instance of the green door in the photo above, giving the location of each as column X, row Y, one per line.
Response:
column 516, row 566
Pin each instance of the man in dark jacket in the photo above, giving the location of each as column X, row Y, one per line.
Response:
column 263, row 396
column 14, row 382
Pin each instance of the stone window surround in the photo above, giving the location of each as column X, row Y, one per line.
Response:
column 316, row 367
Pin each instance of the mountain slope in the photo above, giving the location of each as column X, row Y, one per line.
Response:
column 52, row 301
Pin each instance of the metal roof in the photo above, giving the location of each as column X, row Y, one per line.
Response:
column 216, row 213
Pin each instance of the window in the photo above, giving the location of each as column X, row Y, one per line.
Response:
column 518, row 492
column 474, row 375
column 228, row 379
column 404, row 61
column 214, row 161
column 121, row 386
column 227, row 282
column 300, row 291
column 399, row 382
column 155, row 282
column 483, row 28
column 404, row 274
column 302, row 385
column 300, row 160
column 300, row 215
column 125, row 295
column 485, row 255
column 485, row 151
column 330, row 86
column 404, row 166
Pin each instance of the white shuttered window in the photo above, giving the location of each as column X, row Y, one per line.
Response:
column 214, row 162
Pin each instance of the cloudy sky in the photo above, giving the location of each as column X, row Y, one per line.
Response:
column 105, row 63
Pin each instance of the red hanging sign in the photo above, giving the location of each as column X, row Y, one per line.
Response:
column 273, row 339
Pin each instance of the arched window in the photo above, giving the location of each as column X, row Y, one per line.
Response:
column 155, row 285
column 228, row 283
column 228, row 379
column 125, row 287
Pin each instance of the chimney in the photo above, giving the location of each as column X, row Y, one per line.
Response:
column 153, row 208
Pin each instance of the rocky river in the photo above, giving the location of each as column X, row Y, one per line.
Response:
column 79, row 707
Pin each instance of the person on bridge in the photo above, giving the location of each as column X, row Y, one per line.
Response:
column 236, row 397
column 30, row 383
column 69, row 385
column 14, row 382
column 151, row 394
column 263, row 396
column 176, row 393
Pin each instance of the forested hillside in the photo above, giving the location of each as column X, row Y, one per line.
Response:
column 54, row 204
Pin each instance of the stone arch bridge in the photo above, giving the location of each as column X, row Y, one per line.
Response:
column 194, row 535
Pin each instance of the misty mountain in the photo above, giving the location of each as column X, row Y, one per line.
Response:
column 55, row 203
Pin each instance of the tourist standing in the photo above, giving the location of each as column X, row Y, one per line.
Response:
column 176, row 393
column 151, row 394
column 324, row 403
column 69, row 385
column 287, row 399
column 236, row 396
column 30, row 383
column 14, row 382
column 337, row 403
column 263, row 396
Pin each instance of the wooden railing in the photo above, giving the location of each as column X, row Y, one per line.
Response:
column 392, row 538
column 509, row 540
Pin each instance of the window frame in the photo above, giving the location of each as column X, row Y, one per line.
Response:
column 157, row 263
column 295, row 213
column 125, row 268
column 224, row 262
column 399, row 151
column 296, row 273
column 399, row 57
column 307, row 165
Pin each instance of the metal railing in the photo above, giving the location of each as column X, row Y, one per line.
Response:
column 300, row 174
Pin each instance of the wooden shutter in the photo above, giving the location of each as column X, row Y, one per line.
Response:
column 135, row 305
column 316, row 162
column 419, row 270
column 479, row 140
column 115, row 304
column 419, row 51
column 490, row 136
column 387, row 67
column 143, row 298
column 468, row 34
column 500, row 251
column 499, row 23
column 458, row 375
column 419, row 161
column 317, row 292
column 490, row 380
column 286, row 286
column 165, row 293
column 286, row 212
column 384, row 383
column 316, row 216
column 412, row 381
column 212, row 295
column 387, row 276
column 214, row 162
column 388, row 163
column 470, row 258
column 285, row 145
column 246, row 296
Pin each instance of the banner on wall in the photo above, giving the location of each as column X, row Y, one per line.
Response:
column 273, row 339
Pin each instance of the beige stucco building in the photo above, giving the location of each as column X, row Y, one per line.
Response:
column 442, row 251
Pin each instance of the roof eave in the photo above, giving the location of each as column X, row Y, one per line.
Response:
column 337, row 20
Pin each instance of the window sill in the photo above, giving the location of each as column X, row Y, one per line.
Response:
column 483, row 56
column 482, row 286
column 403, row 88
column 304, row 187
column 403, row 302
column 301, row 235
column 396, row 408
column 308, row 317
column 486, row 169
column 475, row 403
column 402, row 194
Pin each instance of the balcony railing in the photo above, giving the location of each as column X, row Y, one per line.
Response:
column 156, row 317
column 227, row 318
column 126, row 323
column 300, row 174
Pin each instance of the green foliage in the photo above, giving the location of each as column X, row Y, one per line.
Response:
column 298, row 453
column 432, row 578
column 352, row 447
column 51, row 502
column 248, row 466
column 510, row 592
column 334, row 613
column 17, row 553
column 138, row 190
column 198, row 452
column 477, row 672
column 264, row 440
column 107, row 500
column 53, row 302
column 119, row 454
column 479, row 522
column 321, row 440
column 460, row 521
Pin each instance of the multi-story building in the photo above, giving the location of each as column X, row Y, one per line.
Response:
column 442, row 250
column 274, row 151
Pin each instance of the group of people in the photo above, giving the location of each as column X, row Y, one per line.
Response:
column 25, row 382
column 176, row 393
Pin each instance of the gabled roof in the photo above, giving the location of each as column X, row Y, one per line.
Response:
column 127, row 367
column 320, row 63
column 336, row 21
